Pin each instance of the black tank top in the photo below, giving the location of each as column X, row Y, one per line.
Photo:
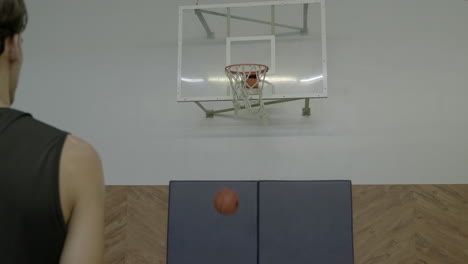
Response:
column 32, row 228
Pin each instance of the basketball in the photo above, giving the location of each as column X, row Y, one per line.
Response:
column 252, row 81
column 226, row 201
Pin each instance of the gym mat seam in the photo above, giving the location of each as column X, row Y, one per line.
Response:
column 258, row 222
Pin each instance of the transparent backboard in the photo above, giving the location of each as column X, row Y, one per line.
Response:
column 287, row 36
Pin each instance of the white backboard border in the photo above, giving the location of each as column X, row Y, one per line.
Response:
column 272, row 40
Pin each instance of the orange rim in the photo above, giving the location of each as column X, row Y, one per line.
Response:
column 247, row 72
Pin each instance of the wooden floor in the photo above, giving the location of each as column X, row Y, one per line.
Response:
column 393, row 224
column 136, row 224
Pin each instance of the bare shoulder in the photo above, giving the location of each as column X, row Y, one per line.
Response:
column 81, row 173
column 80, row 159
column 77, row 150
column 81, row 163
column 82, row 196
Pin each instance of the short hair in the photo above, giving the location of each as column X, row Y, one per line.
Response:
column 13, row 19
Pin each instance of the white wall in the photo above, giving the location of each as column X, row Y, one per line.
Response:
column 397, row 113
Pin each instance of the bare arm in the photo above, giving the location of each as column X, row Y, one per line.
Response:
column 82, row 192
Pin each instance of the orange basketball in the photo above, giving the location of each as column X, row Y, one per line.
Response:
column 226, row 201
column 252, row 82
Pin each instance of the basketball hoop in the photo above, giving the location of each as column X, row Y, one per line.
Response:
column 246, row 82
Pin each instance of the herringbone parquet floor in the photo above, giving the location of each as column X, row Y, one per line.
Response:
column 411, row 224
column 136, row 223
column 397, row 224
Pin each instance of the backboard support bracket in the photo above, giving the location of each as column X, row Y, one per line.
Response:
column 211, row 113
column 202, row 19
column 209, row 32
column 305, row 28
column 306, row 109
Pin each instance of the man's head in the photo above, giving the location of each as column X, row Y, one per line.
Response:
column 13, row 20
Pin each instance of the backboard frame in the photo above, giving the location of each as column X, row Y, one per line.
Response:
column 322, row 94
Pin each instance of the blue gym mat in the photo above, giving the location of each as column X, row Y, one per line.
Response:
column 277, row 222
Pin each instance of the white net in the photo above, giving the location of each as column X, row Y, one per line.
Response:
column 246, row 82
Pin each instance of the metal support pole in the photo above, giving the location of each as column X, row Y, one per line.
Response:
column 273, row 20
column 209, row 33
column 306, row 109
column 228, row 21
column 255, row 105
column 305, row 28
column 209, row 113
